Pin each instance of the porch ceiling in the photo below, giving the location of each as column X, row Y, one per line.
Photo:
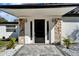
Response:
column 39, row 11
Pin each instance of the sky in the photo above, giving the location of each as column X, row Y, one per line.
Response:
column 7, row 16
column 39, row 1
column 10, row 3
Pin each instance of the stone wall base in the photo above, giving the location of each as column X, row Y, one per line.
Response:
column 21, row 40
column 57, row 30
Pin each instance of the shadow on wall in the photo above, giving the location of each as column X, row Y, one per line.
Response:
column 73, row 26
column 15, row 34
column 74, row 35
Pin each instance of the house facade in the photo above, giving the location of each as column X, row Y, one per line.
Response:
column 44, row 23
column 8, row 29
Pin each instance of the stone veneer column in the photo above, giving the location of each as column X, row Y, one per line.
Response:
column 21, row 30
column 57, row 30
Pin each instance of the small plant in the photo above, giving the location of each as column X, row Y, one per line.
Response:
column 67, row 42
column 13, row 40
column 11, row 43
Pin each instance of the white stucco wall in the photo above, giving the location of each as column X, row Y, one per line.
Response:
column 27, row 30
column 70, row 27
column 7, row 34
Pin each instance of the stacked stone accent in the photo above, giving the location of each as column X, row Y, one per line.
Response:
column 21, row 30
column 57, row 30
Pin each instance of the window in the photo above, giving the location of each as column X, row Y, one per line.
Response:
column 47, row 30
column 10, row 25
column 31, row 30
column 10, row 28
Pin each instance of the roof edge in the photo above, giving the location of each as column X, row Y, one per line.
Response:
column 40, row 5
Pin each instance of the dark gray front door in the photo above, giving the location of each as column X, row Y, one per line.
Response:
column 39, row 27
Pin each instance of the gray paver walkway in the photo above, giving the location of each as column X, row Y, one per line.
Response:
column 39, row 50
column 72, row 51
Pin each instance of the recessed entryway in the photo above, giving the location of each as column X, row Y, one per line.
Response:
column 39, row 29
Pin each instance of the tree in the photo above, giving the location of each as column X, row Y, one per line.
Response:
column 3, row 20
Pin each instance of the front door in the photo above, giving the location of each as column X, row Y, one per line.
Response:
column 39, row 28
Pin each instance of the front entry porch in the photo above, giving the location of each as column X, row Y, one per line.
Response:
column 41, row 30
column 51, row 27
column 37, row 30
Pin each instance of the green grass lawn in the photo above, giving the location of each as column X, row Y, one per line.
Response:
column 4, row 43
column 8, row 44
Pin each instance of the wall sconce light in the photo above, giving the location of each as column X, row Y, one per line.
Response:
column 26, row 20
column 53, row 20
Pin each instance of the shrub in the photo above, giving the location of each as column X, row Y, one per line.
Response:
column 67, row 42
column 13, row 40
column 11, row 43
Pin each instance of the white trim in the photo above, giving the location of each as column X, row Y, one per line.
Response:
column 45, row 32
column 33, row 31
column 46, row 41
column 51, row 30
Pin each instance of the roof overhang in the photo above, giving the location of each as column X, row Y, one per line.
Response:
column 72, row 13
column 39, row 11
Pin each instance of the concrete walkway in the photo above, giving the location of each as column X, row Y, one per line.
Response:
column 39, row 50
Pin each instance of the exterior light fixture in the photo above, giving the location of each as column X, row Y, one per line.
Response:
column 53, row 20
column 26, row 20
